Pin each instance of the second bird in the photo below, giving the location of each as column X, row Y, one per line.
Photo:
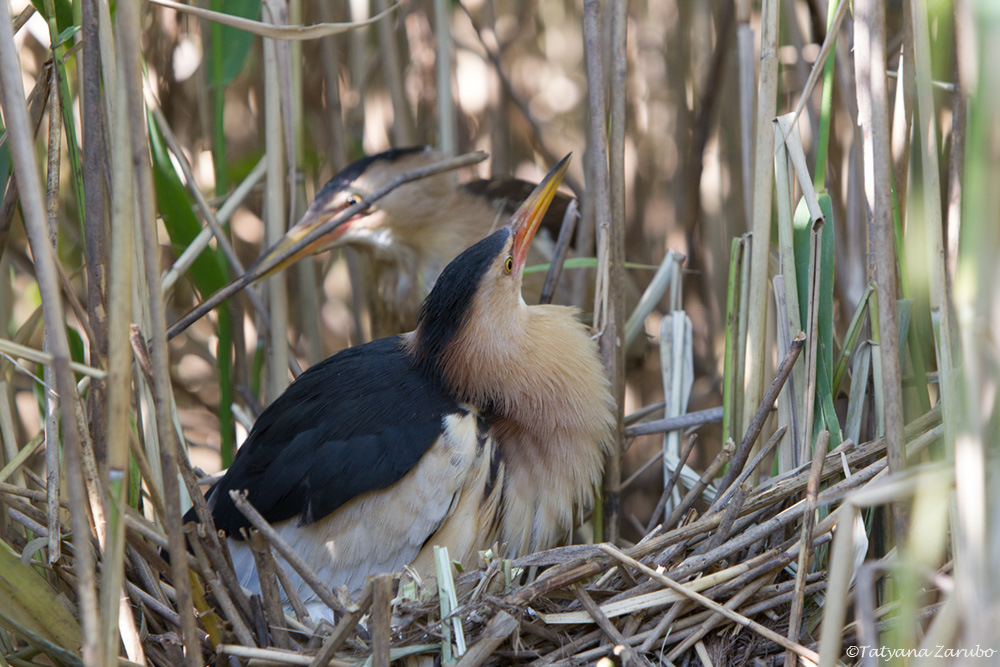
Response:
column 410, row 235
column 488, row 422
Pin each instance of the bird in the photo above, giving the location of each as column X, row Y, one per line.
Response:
column 486, row 424
column 410, row 235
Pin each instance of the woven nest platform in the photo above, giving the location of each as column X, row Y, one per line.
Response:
column 718, row 587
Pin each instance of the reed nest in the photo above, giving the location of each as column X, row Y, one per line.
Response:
column 716, row 585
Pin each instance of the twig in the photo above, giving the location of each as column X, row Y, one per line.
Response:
column 95, row 219
column 130, row 71
column 275, row 219
column 709, row 623
column 644, row 412
column 653, row 460
column 266, row 568
column 232, row 614
column 392, row 70
column 668, row 488
column 345, row 626
column 158, row 607
column 757, row 423
column 760, row 254
column 273, row 656
column 689, row 420
column 495, row 59
column 263, row 268
column 772, row 442
column 605, row 624
column 292, row 595
column 606, row 307
column 812, row 339
column 733, row 506
column 52, row 464
column 30, row 494
column 566, row 231
column 747, row 77
column 381, row 619
column 20, row 140
column 294, row 559
column 286, row 32
column 692, row 495
column 795, row 615
column 741, row 620
column 204, row 208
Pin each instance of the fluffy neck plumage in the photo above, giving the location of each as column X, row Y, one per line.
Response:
column 537, row 375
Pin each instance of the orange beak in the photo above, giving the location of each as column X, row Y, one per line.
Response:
column 317, row 213
column 526, row 220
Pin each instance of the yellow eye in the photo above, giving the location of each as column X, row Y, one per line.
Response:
column 508, row 264
column 352, row 200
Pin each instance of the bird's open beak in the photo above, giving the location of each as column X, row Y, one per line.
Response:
column 525, row 221
column 317, row 213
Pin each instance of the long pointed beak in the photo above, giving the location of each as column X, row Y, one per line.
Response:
column 526, row 220
column 317, row 213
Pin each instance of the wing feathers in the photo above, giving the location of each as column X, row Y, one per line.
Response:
column 356, row 422
column 438, row 501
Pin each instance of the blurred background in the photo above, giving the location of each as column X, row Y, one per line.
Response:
column 517, row 88
column 253, row 128
column 519, row 92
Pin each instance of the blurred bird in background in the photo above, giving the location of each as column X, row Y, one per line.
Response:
column 487, row 423
column 411, row 234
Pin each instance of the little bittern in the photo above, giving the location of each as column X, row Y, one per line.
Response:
column 412, row 233
column 488, row 422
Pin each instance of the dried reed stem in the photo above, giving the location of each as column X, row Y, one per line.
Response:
column 275, row 220
column 605, row 624
column 266, row 573
column 812, row 489
column 755, row 425
column 710, row 473
column 668, row 488
column 739, row 619
column 262, row 268
column 345, row 626
column 381, row 619
column 294, row 559
column 566, row 231
column 598, row 206
column 874, row 121
column 22, row 155
column 763, row 175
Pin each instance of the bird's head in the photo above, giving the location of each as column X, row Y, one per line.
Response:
column 475, row 313
column 403, row 212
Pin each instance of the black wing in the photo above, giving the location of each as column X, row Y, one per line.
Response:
column 355, row 422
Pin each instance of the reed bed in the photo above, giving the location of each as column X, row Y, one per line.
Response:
column 806, row 468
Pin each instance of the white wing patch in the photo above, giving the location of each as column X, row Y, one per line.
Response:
column 384, row 530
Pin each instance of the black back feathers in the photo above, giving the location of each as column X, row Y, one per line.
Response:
column 356, row 422
column 359, row 420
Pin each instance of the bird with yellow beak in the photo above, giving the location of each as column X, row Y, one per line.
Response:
column 408, row 236
column 487, row 423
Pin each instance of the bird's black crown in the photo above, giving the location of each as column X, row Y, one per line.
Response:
column 353, row 171
column 447, row 308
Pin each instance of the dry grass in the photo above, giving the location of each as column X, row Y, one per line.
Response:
column 862, row 532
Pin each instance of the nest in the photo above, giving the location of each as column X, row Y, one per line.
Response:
column 724, row 585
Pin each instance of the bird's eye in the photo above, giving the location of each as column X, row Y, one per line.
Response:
column 508, row 264
column 352, row 200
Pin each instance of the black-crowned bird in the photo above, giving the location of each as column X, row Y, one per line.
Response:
column 488, row 422
column 412, row 233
